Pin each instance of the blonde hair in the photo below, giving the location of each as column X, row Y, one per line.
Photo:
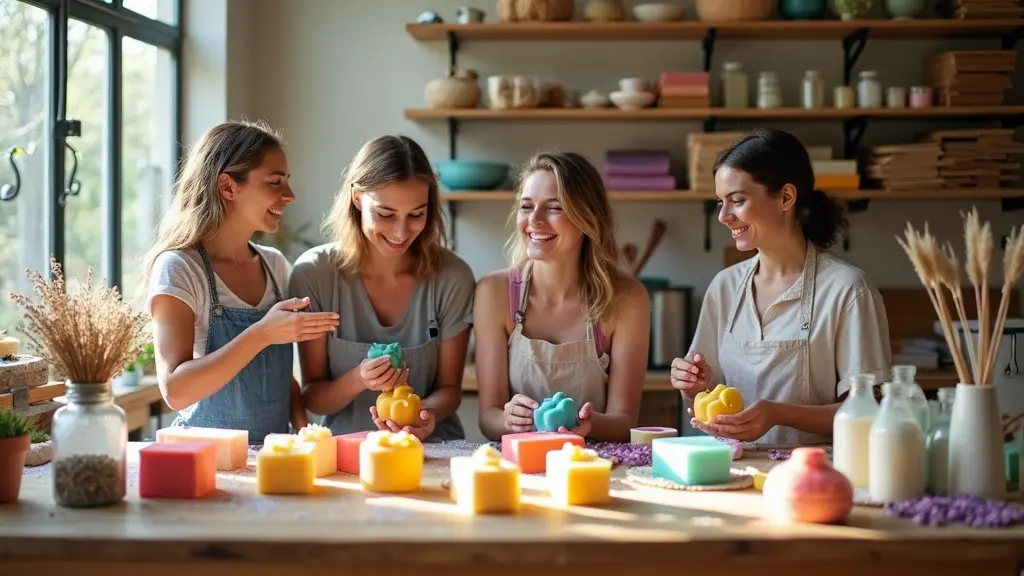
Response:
column 197, row 210
column 584, row 200
column 381, row 161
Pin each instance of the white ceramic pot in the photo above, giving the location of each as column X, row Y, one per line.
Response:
column 976, row 462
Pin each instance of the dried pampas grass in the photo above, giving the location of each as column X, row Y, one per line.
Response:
column 89, row 336
column 937, row 268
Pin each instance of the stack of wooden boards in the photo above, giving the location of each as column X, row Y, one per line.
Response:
column 702, row 149
column 975, row 9
column 24, row 384
column 971, row 77
column 684, row 90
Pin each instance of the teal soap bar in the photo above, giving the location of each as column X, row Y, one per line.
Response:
column 393, row 351
column 691, row 460
column 1011, row 452
column 558, row 410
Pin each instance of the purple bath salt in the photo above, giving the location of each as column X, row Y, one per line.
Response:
column 623, row 453
column 961, row 509
column 776, row 454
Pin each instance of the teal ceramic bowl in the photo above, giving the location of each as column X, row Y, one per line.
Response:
column 471, row 174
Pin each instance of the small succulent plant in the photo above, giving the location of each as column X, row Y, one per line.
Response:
column 13, row 424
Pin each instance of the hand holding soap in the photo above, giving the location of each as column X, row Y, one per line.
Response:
column 577, row 476
column 558, row 410
column 484, row 483
column 399, row 404
column 392, row 351
column 390, row 462
column 708, row 405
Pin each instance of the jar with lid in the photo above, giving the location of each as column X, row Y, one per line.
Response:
column 813, row 93
column 735, row 86
column 896, row 466
column 921, row 97
column 904, row 374
column 90, row 440
column 843, row 97
column 869, row 90
column 769, row 95
column 851, row 430
column 936, row 444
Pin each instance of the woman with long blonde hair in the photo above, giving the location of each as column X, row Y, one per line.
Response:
column 587, row 331
column 223, row 329
column 391, row 278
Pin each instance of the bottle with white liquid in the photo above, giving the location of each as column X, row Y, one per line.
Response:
column 936, row 445
column 896, row 468
column 905, row 374
column 851, row 431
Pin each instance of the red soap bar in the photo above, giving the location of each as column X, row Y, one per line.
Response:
column 348, row 451
column 179, row 470
column 529, row 449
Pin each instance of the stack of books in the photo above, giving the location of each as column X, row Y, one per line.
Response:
column 972, row 9
column 984, row 158
column 684, row 90
column 831, row 173
column 703, row 148
column 638, row 170
column 971, row 77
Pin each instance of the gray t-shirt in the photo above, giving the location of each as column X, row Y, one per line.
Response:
column 447, row 299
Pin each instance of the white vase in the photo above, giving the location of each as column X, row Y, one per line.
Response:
column 976, row 462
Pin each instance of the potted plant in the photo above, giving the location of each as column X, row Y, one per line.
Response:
column 147, row 359
column 15, row 439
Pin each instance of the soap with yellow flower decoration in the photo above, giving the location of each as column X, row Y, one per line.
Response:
column 577, row 476
column 390, row 462
column 484, row 483
column 709, row 404
column 285, row 465
column 325, row 452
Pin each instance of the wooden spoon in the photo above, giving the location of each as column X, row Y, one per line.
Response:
column 657, row 233
column 629, row 254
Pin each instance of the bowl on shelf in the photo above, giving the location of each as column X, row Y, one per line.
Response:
column 734, row 10
column 658, row 12
column 632, row 100
column 458, row 175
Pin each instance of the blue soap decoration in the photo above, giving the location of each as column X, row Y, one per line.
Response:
column 393, row 351
column 558, row 410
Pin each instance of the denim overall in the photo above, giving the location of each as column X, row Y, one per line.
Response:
column 258, row 398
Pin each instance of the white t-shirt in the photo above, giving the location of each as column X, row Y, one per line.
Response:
column 180, row 273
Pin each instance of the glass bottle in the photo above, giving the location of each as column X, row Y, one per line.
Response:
column 90, row 441
column 937, row 444
column 869, row 90
column 896, row 466
column 905, row 374
column 735, row 86
column 769, row 95
column 851, row 430
column 813, row 93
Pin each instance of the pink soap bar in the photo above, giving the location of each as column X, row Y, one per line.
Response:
column 232, row 445
column 529, row 449
column 179, row 470
column 348, row 451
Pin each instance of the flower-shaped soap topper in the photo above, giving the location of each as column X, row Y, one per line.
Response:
column 392, row 351
column 558, row 410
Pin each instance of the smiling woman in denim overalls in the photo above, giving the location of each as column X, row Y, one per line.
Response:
column 222, row 326
column 389, row 276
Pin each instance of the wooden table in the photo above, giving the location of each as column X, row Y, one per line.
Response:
column 342, row 529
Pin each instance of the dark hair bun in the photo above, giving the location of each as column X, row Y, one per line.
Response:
column 823, row 221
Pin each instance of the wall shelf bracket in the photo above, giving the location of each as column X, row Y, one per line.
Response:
column 1010, row 39
column 453, row 134
column 1013, row 204
column 709, row 210
column 853, row 46
column 452, row 214
column 709, row 47
column 853, row 131
column 709, row 124
column 857, row 206
column 453, row 49
column 1012, row 121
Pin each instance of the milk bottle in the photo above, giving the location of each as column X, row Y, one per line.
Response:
column 851, row 431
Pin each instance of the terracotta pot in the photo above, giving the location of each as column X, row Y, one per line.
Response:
column 12, row 466
column 806, row 488
column 734, row 10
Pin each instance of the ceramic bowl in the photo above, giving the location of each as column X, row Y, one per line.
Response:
column 634, row 85
column 471, row 174
column 593, row 99
column 632, row 100
column 658, row 12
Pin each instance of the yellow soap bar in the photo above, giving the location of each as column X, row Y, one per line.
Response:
column 325, row 452
column 390, row 462
column 8, row 345
column 285, row 466
column 578, row 476
column 400, row 405
column 708, row 405
column 484, row 483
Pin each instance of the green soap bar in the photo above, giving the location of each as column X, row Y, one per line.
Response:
column 691, row 460
column 1011, row 452
column 393, row 351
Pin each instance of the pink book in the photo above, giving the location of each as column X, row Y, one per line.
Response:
column 683, row 78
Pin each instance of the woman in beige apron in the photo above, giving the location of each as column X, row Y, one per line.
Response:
column 792, row 325
column 564, row 318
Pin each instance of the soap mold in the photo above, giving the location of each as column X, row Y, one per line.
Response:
column 710, row 404
column 558, row 410
column 392, row 351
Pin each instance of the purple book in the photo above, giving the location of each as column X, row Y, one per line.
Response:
column 637, row 163
column 640, row 182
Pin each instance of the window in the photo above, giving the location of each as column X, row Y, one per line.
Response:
column 102, row 79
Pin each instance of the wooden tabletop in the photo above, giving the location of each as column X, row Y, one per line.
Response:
column 342, row 527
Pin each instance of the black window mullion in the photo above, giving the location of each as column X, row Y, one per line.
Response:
column 179, row 112
column 129, row 23
column 58, row 108
column 114, row 192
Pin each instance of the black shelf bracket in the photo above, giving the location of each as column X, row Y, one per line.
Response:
column 453, row 133
column 1013, row 204
column 709, row 47
column 1010, row 39
column 853, row 132
column 452, row 216
column 709, row 123
column 709, row 210
column 853, row 46
column 453, row 49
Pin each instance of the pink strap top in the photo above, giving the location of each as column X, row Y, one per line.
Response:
column 515, row 287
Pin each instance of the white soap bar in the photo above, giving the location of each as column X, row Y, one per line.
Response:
column 8, row 346
column 232, row 445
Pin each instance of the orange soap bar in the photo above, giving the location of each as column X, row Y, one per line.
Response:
column 181, row 470
column 348, row 451
column 529, row 449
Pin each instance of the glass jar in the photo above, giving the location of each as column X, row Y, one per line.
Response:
column 904, row 374
column 896, row 97
column 896, row 466
column 526, row 92
column 768, row 93
column 851, row 430
column 843, row 97
column 90, row 441
column 921, row 97
column 936, row 445
column 813, row 90
column 499, row 92
column 735, row 86
column 869, row 90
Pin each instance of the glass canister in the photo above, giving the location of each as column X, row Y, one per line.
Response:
column 526, row 92
column 90, row 441
column 851, row 431
column 769, row 95
column 936, row 444
column 896, row 97
column 813, row 90
column 843, row 97
column 869, row 90
column 896, row 467
column 904, row 374
column 921, row 97
column 735, row 86
column 499, row 92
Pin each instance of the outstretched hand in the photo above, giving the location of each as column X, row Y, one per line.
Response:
column 747, row 425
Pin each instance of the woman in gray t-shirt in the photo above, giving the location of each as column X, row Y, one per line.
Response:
column 391, row 280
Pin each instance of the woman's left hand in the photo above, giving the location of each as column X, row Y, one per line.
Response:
column 583, row 426
column 421, row 430
column 746, row 426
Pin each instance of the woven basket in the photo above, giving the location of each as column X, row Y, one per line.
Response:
column 734, row 10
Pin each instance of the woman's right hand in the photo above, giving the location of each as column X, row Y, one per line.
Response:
column 519, row 414
column 378, row 374
column 284, row 325
column 691, row 374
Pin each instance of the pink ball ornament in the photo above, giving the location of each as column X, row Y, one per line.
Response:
column 806, row 488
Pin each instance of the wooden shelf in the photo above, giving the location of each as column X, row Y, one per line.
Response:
column 692, row 30
column 614, row 114
column 690, row 196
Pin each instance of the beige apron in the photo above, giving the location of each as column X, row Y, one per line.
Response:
column 538, row 368
column 773, row 370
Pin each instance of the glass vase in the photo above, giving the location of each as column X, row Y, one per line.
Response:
column 90, row 441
